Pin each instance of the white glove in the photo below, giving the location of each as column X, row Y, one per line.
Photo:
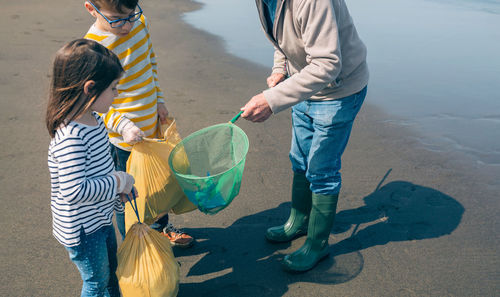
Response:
column 132, row 134
column 125, row 182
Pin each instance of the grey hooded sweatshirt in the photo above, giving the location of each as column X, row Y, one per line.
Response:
column 318, row 48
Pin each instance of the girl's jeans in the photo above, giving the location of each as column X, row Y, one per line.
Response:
column 320, row 131
column 96, row 260
column 120, row 158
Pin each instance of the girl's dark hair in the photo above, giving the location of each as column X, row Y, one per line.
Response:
column 76, row 63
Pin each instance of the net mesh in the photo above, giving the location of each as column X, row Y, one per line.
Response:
column 208, row 165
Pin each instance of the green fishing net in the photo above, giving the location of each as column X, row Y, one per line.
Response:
column 208, row 165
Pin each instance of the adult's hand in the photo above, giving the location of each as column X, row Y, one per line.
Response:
column 257, row 109
column 162, row 113
column 275, row 79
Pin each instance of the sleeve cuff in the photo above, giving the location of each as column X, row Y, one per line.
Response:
column 276, row 101
column 280, row 70
column 123, row 124
column 115, row 184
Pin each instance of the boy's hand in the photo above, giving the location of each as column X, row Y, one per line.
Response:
column 275, row 79
column 132, row 134
column 162, row 113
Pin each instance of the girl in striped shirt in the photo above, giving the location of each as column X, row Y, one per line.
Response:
column 85, row 187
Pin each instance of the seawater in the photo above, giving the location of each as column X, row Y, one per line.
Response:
column 434, row 64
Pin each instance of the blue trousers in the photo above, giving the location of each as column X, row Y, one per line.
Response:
column 320, row 131
column 96, row 260
column 120, row 158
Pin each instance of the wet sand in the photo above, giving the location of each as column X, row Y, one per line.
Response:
column 410, row 222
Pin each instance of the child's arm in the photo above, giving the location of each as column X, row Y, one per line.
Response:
column 74, row 185
column 162, row 108
column 154, row 64
column 121, row 125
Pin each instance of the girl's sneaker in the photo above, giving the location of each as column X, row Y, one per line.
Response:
column 177, row 237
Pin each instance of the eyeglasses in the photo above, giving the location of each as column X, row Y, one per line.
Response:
column 120, row 22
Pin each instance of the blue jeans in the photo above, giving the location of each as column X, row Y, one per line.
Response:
column 96, row 260
column 120, row 158
column 320, row 131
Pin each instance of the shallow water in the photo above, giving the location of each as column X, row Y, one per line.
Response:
column 434, row 64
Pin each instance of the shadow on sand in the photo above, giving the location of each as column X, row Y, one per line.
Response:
column 398, row 211
column 237, row 261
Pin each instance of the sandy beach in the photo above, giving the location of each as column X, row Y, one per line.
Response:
column 410, row 222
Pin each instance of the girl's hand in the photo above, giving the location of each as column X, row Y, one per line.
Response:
column 123, row 197
column 125, row 183
column 275, row 79
column 162, row 113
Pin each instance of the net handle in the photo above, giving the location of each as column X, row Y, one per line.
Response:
column 236, row 117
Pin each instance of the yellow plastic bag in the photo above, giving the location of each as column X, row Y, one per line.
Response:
column 158, row 189
column 146, row 264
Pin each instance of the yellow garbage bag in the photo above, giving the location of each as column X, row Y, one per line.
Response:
column 158, row 189
column 146, row 264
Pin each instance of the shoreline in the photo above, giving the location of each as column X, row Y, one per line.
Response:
column 458, row 159
column 204, row 86
column 442, row 127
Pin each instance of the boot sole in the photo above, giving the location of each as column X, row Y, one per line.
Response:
column 297, row 271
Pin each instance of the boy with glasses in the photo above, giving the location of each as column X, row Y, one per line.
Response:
column 122, row 28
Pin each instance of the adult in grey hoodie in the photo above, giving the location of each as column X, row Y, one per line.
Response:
column 320, row 71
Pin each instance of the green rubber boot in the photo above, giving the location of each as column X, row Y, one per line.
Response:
column 296, row 225
column 315, row 248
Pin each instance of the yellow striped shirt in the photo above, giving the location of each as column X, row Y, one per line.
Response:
column 138, row 88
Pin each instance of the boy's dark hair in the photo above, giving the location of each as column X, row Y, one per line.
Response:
column 76, row 63
column 116, row 4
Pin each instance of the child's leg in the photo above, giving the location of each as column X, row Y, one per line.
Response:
column 160, row 223
column 91, row 259
column 120, row 223
column 113, row 287
column 176, row 236
column 120, row 158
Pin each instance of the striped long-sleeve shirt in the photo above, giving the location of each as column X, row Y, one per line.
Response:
column 83, row 194
column 138, row 89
